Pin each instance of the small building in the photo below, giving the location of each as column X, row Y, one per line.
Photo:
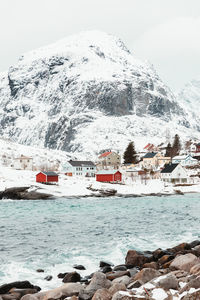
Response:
column 109, row 176
column 174, row 173
column 109, row 159
column 47, row 177
column 80, row 168
column 185, row 160
column 23, row 163
column 154, row 160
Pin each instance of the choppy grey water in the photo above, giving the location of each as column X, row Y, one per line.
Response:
column 55, row 234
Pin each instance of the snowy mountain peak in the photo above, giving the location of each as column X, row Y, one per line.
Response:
column 77, row 85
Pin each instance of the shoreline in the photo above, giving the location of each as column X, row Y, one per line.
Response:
column 170, row 274
column 22, row 193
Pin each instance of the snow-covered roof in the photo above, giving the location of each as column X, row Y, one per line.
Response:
column 49, row 173
column 183, row 157
column 104, row 172
column 81, row 163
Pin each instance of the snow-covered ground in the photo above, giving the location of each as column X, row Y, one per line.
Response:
column 77, row 187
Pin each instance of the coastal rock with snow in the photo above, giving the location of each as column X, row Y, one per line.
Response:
column 87, row 86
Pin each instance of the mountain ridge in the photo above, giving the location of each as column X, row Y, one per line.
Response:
column 57, row 93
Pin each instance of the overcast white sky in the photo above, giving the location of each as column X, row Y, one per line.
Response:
column 165, row 32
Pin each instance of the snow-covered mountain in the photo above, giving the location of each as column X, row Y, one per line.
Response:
column 85, row 93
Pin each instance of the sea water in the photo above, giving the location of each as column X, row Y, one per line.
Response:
column 56, row 234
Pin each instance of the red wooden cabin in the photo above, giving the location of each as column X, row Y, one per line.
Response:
column 47, row 177
column 109, row 176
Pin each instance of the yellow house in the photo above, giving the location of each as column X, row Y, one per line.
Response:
column 154, row 159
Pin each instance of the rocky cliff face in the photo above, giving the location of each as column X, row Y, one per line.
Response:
column 57, row 92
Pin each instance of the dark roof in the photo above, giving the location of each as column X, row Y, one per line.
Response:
column 50, row 173
column 169, row 168
column 150, row 155
column 81, row 163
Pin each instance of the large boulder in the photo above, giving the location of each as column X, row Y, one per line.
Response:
column 117, row 287
column 195, row 269
column 146, row 274
column 168, row 282
column 135, row 259
column 97, row 282
column 66, row 290
column 102, row 294
column 124, row 279
column 72, row 277
column 5, row 288
column 184, row 262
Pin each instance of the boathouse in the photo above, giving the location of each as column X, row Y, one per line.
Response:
column 47, row 177
column 109, row 176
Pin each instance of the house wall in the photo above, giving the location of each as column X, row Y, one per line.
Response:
column 112, row 160
column 80, row 171
column 52, row 178
column 40, row 177
column 179, row 175
column 109, row 177
column 23, row 164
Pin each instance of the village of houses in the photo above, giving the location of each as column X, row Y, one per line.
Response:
column 154, row 173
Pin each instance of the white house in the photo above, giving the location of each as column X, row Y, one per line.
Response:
column 23, row 163
column 185, row 160
column 80, row 168
column 174, row 173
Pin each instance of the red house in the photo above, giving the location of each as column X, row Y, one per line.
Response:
column 109, row 176
column 46, row 177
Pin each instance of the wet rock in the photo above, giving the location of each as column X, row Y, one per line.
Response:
column 184, row 262
column 158, row 253
column 194, row 243
column 72, row 277
column 105, row 264
column 62, row 275
column 106, row 269
column 86, row 295
column 102, row 294
column 180, row 247
column 18, row 285
column 120, row 268
column 152, row 265
column 165, row 258
column 117, row 287
column 135, row 259
column 79, row 267
column 168, row 282
column 40, row 270
column 146, row 275
column 114, row 275
column 197, row 250
column 48, row 277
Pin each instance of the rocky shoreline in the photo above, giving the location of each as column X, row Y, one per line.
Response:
column 173, row 273
column 32, row 193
